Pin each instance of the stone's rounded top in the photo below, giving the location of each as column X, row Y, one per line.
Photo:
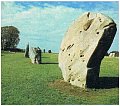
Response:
column 93, row 15
column 89, row 21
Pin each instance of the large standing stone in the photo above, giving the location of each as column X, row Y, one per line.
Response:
column 84, row 46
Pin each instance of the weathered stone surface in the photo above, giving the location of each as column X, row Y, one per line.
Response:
column 84, row 46
column 35, row 55
column 27, row 51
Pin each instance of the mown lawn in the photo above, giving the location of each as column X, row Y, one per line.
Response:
column 23, row 83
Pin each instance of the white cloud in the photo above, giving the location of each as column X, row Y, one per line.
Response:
column 44, row 27
column 9, row 9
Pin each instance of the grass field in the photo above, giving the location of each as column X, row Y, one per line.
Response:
column 23, row 83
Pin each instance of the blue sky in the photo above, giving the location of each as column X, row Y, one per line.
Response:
column 44, row 24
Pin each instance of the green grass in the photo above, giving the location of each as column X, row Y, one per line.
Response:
column 24, row 83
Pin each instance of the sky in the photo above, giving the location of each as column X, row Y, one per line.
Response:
column 43, row 24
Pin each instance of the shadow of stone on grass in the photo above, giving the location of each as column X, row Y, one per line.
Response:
column 108, row 82
column 105, row 83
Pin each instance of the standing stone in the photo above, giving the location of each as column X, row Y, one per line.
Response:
column 38, row 56
column 43, row 50
column 35, row 55
column 32, row 54
column 27, row 51
column 84, row 46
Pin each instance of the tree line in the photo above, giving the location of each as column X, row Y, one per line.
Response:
column 9, row 37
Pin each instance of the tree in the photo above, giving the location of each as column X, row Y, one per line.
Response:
column 49, row 51
column 9, row 37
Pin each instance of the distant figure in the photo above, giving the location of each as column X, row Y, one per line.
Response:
column 43, row 50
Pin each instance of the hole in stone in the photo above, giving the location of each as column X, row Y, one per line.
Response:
column 81, row 55
column 97, row 33
column 69, row 68
column 71, row 60
column 80, row 31
column 100, row 19
column 72, row 44
column 78, row 79
column 69, row 54
column 88, row 24
column 63, row 49
column 72, row 79
column 88, row 14
column 83, row 60
column 82, row 84
column 69, row 47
